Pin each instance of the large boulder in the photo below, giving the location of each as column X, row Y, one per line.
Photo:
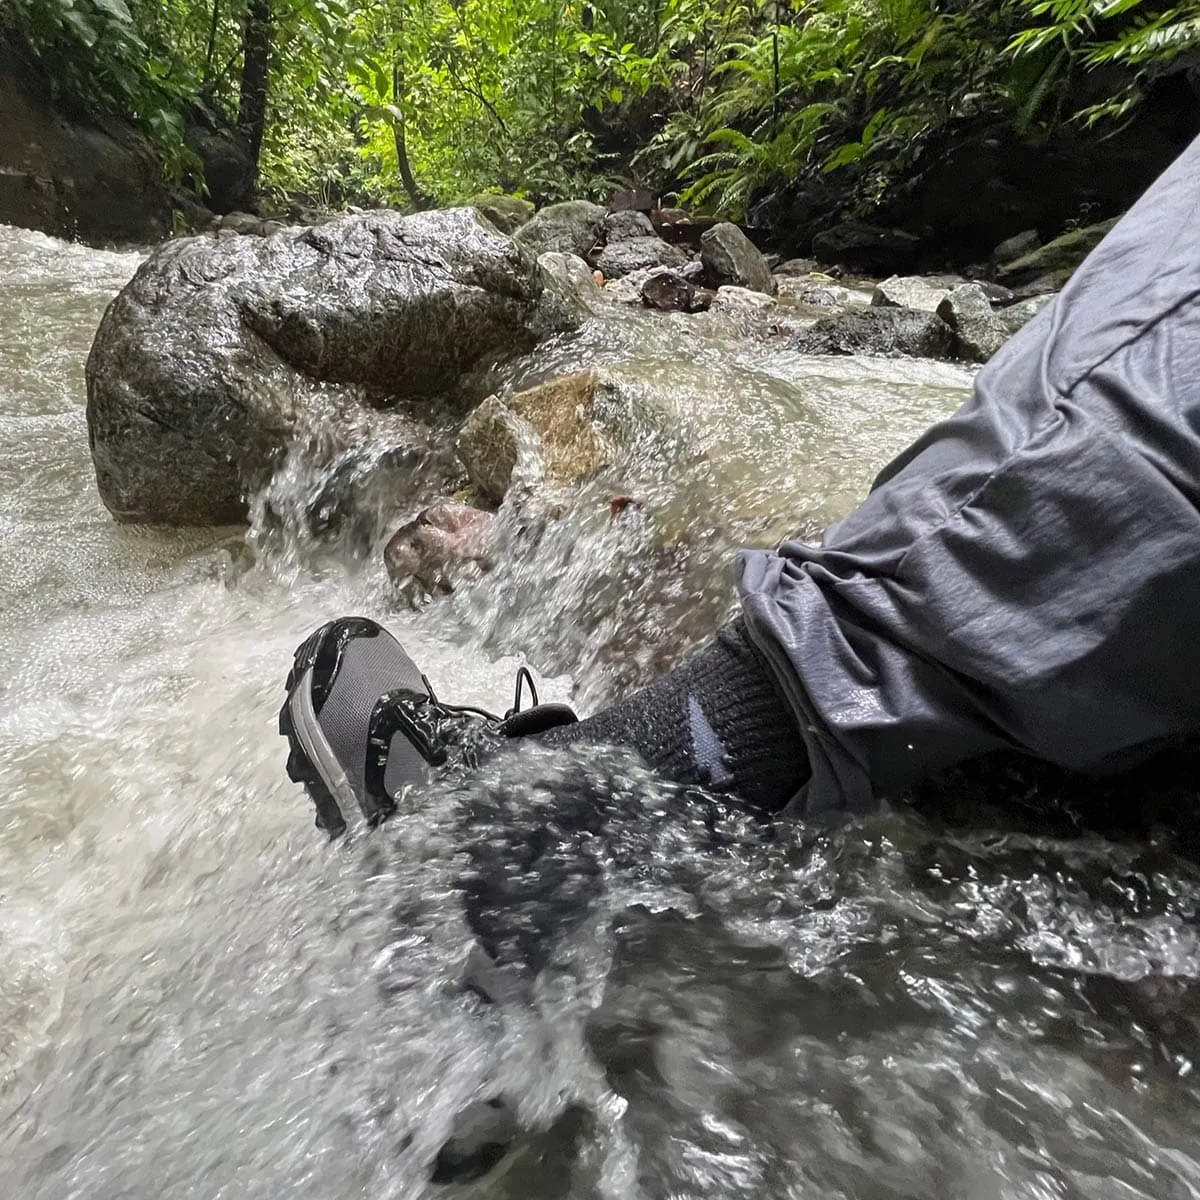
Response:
column 220, row 349
column 572, row 227
column 879, row 331
column 730, row 257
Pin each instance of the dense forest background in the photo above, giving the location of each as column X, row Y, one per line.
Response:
column 716, row 104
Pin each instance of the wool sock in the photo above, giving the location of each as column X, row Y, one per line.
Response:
column 719, row 721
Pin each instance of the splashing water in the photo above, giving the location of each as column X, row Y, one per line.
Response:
column 200, row 998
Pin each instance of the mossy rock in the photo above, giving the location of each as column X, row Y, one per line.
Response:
column 1055, row 261
column 507, row 213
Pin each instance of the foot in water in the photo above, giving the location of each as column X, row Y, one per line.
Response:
column 363, row 724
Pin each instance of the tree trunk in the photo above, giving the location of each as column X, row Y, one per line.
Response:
column 415, row 195
column 256, row 61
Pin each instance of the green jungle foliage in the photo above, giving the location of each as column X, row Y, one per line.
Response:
column 426, row 101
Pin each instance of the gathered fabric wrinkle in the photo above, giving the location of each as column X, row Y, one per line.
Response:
column 1024, row 575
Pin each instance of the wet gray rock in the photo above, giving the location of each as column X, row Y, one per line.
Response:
column 622, row 258
column 570, row 292
column 628, row 289
column 437, row 548
column 885, row 331
column 670, row 292
column 924, row 292
column 866, row 248
column 978, row 331
column 797, row 266
column 626, row 224
column 220, row 350
column 1016, row 247
column 493, row 441
column 731, row 258
column 819, row 297
column 740, row 300
column 1017, row 316
column 572, row 227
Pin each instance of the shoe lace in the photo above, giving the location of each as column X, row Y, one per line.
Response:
column 524, row 680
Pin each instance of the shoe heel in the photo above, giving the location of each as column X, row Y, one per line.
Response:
column 300, row 770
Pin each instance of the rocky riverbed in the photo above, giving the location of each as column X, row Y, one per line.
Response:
column 982, row 994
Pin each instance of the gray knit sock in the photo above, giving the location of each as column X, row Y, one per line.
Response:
column 718, row 721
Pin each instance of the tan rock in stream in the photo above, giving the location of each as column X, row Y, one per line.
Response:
column 546, row 432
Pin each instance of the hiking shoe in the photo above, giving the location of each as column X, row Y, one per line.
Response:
column 363, row 723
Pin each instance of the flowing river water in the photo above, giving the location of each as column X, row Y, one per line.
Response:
column 200, row 997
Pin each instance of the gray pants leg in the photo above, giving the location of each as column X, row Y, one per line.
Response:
column 1027, row 575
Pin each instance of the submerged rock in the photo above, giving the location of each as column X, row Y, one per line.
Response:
column 219, row 350
column 433, row 551
column 879, row 331
column 730, row 257
column 572, row 227
column 549, row 431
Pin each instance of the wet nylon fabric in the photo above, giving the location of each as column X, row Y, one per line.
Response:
column 1027, row 575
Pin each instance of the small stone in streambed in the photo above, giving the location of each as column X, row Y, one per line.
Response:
column 669, row 292
column 432, row 552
